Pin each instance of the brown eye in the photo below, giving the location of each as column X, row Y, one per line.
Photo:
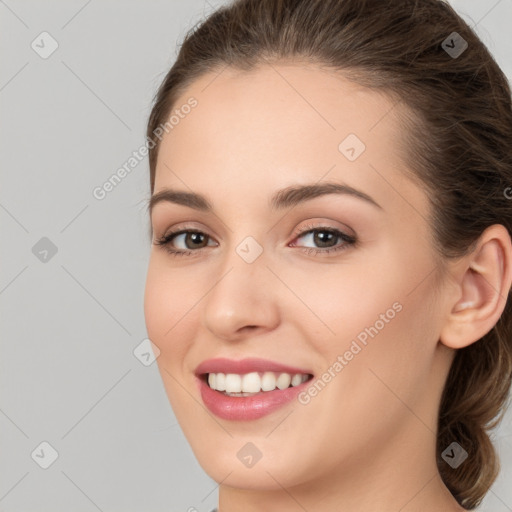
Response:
column 195, row 240
column 190, row 241
column 325, row 238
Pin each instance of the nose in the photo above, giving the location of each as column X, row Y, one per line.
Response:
column 243, row 300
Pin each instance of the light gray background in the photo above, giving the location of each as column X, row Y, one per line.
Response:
column 70, row 325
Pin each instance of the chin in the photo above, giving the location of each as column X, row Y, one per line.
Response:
column 238, row 463
column 257, row 478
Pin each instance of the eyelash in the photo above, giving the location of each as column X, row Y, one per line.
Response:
column 348, row 240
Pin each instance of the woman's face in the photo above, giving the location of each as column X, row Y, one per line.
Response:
column 357, row 303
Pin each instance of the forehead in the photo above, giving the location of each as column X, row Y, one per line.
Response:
column 281, row 102
column 280, row 123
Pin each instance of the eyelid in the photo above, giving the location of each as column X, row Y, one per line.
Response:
column 184, row 226
column 323, row 224
column 299, row 231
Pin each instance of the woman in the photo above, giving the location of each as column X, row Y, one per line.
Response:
column 331, row 262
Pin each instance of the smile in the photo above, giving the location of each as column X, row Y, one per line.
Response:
column 248, row 389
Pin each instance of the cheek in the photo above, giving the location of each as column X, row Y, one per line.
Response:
column 339, row 301
column 168, row 300
column 364, row 400
column 383, row 303
column 390, row 349
column 167, row 311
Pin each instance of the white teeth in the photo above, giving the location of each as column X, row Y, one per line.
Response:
column 254, row 382
column 251, row 382
column 296, row 379
column 233, row 383
column 268, row 381
column 283, row 381
column 220, row 381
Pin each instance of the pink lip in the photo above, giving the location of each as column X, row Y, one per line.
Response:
column 249, row 407
column 223, row 365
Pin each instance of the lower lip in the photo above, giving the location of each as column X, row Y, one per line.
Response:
column 242, row 408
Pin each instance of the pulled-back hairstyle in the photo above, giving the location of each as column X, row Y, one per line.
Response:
column 456, row 141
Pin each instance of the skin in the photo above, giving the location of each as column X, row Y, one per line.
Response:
column 366, row 442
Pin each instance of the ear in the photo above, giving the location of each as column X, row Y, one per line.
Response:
column 483, row 282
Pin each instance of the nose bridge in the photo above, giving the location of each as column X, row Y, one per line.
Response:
column 242, row 274
column 242, row 294
column 245, row 262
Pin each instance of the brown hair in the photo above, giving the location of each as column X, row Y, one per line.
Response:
column 457, row 141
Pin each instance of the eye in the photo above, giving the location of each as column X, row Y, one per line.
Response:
column 192, row 239
column 326, row 239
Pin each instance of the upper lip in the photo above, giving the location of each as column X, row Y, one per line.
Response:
column 248, row 365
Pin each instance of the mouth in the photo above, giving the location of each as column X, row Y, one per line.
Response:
column 250, row 388
column 253, row 383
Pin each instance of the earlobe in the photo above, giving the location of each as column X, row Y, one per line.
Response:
column 483, row 287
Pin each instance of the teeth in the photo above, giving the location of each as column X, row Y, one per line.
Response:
column 268, row 381
column 297, row 379
column 220, row 381
column 284, row 380
column 251, row 383
column 233, row 383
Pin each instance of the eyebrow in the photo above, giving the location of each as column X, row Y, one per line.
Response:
column 285, row 198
